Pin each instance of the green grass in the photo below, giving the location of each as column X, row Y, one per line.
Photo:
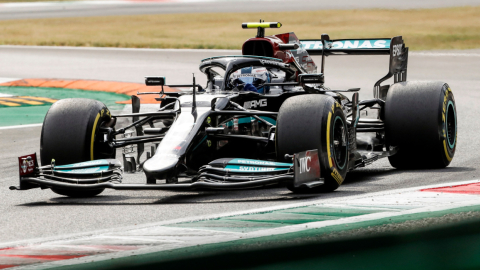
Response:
column 422, row 29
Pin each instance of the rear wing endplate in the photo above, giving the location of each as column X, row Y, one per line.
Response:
column 395, row 47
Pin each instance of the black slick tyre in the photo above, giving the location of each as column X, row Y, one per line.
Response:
column 315, row 121
column 68, row 136
column 421, row 120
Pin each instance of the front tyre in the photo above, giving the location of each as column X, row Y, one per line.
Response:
column 69, row 136
column 421, row 120
column 308, row 122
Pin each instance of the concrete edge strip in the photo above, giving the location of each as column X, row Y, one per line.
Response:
column 216, row 216
column 262, row 233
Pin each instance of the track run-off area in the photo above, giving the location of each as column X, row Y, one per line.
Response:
column 40, row 216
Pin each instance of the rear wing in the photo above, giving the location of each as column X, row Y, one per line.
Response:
column 347, row 46
column 395, row 47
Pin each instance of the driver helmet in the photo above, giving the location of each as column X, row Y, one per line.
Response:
column 251, row 79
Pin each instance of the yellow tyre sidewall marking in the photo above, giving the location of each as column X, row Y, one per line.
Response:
column 328, row 140
column 93, row 135
column 335, row 174
column 445, row 99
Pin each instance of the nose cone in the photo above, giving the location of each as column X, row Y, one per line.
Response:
column 159, row 165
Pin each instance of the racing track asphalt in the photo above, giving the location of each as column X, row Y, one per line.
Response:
column 41, row 213
column 102, row 8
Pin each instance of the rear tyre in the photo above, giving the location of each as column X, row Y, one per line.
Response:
column 68, row 136
column 310, row 122
column 421, row 120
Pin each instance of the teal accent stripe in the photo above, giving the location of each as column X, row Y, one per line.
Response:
column 253, row 169
column 450, row 103
column 86, row 170
column 246, row 120
column 96, row 163
column 204, row 138
column 254, row 162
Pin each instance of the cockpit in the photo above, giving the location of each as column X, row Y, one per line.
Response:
column 247, row 73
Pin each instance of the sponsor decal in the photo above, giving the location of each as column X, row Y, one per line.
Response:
column 269, row 62
column 304, row 164
column 245, row 75
column 256, row 169
column 348, row 44
column 256, row 162
column 27, row 164
column 307, row 167
column 255, row 103
column 397, row 49
column 239, row 168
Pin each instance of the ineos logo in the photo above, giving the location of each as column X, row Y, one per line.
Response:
column 269, row 62
column 397, row 49
column 304, row 167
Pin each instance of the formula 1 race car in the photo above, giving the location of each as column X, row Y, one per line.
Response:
column 264, row 118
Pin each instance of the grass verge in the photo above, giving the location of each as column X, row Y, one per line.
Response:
column 422, row 29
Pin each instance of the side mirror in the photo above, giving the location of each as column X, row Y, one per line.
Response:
column 220, row 103
column 289, row 46
column 153, row 81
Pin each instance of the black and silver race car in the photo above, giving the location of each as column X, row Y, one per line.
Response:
column 264, row 118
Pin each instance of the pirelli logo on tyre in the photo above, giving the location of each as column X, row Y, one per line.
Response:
column 105, row 112
column 337, row 176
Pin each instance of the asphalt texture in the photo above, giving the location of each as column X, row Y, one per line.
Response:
column 105, row 8
column 41, row 213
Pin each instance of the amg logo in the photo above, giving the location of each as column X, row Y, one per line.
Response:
column 397, row 49
column 255, row 104
column 304, row 167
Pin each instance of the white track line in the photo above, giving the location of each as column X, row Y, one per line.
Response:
column 4, row 80
column 22, row 126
